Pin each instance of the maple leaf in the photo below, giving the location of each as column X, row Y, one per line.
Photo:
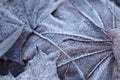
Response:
column 13, row 15
column 77, row 30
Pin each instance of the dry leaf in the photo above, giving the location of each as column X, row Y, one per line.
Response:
column 77, row 30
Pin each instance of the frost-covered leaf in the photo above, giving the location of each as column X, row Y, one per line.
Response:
column 39, row 68
column 74, row 30
column 14, row 14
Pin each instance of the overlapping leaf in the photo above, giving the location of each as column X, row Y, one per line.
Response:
column 13, row 14
column 75, row 30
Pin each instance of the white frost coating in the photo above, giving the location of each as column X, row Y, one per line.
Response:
column 52, row 7
column 39, row 68
column 7, row 44
column 67, row 32
column 9, row 15
column 101, row 69
column 86, row 9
